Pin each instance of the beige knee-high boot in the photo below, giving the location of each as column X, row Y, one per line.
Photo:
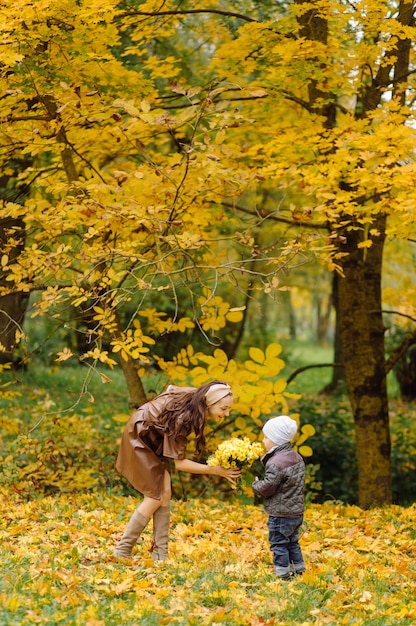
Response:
column 134, row 528
column 161, row 519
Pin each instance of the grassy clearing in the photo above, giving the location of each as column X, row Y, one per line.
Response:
column 56, row 551
column 70, row 388
column 299, row 354
column 57, row 565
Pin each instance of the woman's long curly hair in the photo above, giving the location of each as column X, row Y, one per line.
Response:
column 186, row 413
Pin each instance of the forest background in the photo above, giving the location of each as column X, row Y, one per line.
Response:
column 207, row 190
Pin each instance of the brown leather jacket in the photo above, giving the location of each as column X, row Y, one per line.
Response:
column 145, row 450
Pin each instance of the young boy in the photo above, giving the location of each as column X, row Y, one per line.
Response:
column 282, row 490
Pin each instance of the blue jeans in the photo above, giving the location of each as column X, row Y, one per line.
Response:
column 284, row 543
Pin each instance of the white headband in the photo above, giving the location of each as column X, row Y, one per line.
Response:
column 216, row 393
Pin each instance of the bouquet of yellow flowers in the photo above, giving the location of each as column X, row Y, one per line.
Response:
column 236, row 453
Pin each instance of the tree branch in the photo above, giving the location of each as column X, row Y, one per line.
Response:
column 401, row 314
column 27, row 118
column 190, row 104
column 271, row 216
column 239, row 16
column 309, row 367
column 394, row 357
column 296, row 100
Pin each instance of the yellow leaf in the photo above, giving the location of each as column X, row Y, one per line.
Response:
column 220, row 137
column 365, row 244
column 279, row 386
column 234, row 316
column 124, row 586
column 121, row 417
column 273, row 350
column 145, row 106
column 64, row 355
column 256, row 355
column 13, row 603
column 305, row 451
column 258, row 93
column 308, row 430
column 365, row 597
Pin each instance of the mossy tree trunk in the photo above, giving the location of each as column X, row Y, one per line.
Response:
column 129, row 366
column 359, row 290
column 362, row 337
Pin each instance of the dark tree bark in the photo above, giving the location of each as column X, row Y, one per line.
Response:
column 137, row 395
column 362, row 336
column 338, row 372
column 12, row 305
column 359, row 291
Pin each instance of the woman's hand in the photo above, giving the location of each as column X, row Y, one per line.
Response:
column 185, row 465
column 232, row 475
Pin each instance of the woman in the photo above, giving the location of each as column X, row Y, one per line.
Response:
column 157, row 433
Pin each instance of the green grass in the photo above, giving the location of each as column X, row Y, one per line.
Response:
column 71, row 389
column 298, row 354
column 56, row 550
column 58, row 568
column 74, row 386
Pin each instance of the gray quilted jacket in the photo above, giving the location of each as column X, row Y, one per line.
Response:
column 283, row 485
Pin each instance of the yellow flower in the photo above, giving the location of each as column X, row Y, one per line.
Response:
column 236, row 453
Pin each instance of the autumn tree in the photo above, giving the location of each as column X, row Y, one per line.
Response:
column 368, row 164
column 348, row 141
column 155, row 132
column 121, row 196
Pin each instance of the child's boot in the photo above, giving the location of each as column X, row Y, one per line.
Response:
column 161, row 519
column 133, row 531
column 297, row 569
column 282, row 572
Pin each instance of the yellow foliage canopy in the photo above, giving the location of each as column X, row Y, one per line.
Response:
column 134, row 167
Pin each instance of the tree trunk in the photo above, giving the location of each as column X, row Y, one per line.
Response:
column 137, row 395
column 323, row 314
column 13, row 305
column 338, row 371
column 12, row 314
column 359, row 290
column 362, row 336
column 287, row 305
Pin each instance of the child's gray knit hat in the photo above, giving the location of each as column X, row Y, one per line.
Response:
column 280, row 429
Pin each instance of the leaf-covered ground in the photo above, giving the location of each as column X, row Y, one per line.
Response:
column 58, row 568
